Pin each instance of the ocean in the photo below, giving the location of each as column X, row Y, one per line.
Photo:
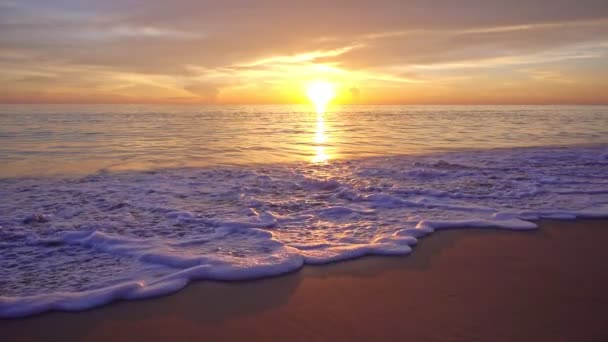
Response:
column 106, row 202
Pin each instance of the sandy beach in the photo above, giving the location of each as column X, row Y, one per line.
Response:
column 461, row 285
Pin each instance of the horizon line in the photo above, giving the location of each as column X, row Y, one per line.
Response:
column 300, row 103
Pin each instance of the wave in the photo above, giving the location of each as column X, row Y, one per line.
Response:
column 77, row 243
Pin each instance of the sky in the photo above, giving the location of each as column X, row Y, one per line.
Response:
column 241, row 52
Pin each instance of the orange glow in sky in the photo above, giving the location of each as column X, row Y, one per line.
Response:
column 398, row 52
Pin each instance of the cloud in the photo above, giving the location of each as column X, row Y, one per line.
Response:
column 134, row 32
column 205, row 92
column 301, row 57
column 569, row 53
column 222, row 51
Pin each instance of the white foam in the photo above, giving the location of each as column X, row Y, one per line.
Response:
column 76, row 243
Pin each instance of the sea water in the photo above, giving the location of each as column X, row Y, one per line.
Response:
column 99, row 203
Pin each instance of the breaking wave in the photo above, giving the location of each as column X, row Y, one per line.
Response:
column 76, row 243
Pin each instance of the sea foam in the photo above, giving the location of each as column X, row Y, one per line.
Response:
column 77, row 243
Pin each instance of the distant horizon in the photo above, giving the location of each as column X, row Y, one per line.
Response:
column 300, row 104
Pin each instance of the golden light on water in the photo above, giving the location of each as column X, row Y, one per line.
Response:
column 320, row 93
column 320, row 140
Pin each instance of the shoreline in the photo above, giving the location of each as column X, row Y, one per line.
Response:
column 542, row 284
column 218, row 224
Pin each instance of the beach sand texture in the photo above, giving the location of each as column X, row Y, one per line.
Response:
column 460, row 285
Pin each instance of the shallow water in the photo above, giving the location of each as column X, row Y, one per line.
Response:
column 84, row 221
column 39, row 140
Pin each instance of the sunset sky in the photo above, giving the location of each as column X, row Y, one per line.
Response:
column 380, row 52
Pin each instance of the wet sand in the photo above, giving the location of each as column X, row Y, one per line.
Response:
column 461, row 285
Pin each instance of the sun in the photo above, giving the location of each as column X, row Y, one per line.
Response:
column 320, row 93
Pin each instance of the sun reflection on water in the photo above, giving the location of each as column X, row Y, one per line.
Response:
column 320, row 140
